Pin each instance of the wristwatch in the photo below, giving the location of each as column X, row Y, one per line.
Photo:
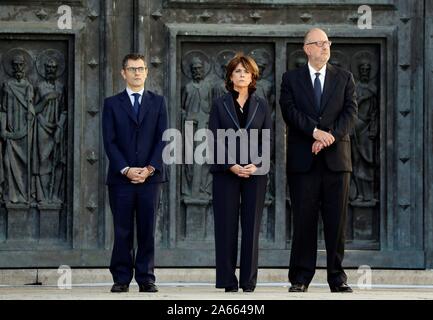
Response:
column 151, row 170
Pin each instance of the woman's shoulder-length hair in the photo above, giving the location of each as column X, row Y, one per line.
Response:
column 248, row 63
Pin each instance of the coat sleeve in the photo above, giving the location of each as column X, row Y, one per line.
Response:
column 159, row 144
column 344, row 123
column 291, row 114
column 116, row 158
column 218, row 146
column 267, row 124
column 267, row 138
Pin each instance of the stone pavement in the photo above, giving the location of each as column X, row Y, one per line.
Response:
column 176, row 291
column 198, row 284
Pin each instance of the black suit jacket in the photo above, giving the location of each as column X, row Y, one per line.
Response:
column 337, row 115
column 223, row 116
column 132, row 142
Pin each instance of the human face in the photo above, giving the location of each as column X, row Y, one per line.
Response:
column 240, row 77
column 317, row 56
column 197, row 71
column 262, row 66
column 50, row 70
column 364, row 71
column 18, row 65
column 135, row 74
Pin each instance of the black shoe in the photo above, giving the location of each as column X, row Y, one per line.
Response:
column 249, row 289
column 298, row 287
column 147, row 287
column 344, row 287
column 232, row 289
column 118, row 287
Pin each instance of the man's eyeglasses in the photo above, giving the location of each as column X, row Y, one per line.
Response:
column 134, row 70
column 320, row 43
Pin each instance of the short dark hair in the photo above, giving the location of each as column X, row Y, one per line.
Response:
column 248, row 63
column 133, row 56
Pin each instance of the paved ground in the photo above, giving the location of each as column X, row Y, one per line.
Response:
column 198, row 284
column 203, row 291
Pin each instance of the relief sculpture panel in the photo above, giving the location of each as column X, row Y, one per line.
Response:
column 33, row 141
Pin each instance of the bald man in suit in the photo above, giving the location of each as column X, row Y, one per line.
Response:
column 318, row 104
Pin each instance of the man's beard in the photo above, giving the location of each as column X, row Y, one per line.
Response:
column 19, row 75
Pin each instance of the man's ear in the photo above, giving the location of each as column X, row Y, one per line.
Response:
column 122, row 72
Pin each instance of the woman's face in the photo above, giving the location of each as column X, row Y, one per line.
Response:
column 240, row 77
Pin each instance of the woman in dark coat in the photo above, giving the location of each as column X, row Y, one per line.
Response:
column 239, row 173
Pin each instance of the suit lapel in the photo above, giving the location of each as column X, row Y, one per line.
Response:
column 230, row 108
column 329, row 86
column 308, row 86
column 125, row 102
column 254, row 105
column 144, row 107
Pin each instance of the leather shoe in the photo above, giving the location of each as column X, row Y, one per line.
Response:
column 298, row 287
column 118, row 287
column 344, row 287
column 249, row 289
column 231, row 289
column 147, row 287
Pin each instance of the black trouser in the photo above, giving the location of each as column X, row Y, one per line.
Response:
column 126, row 201
column 326, row 191
column 232, row 194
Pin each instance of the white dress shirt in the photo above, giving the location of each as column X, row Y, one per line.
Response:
column 321, row 77
column 131, row 97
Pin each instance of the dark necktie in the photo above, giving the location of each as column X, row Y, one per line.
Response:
column 136, row 105
column 317, row 91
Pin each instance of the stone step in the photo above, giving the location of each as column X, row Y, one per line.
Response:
column 19, row 277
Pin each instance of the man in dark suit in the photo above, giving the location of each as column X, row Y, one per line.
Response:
column 133, row 123
column 318, row 104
